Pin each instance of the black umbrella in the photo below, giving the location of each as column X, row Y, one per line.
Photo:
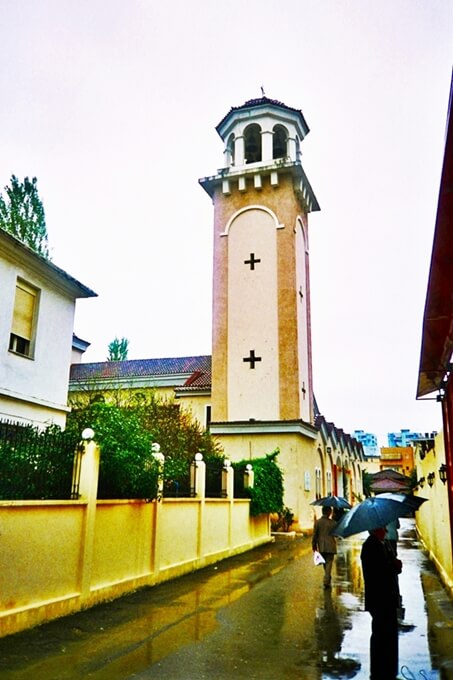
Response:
column 410, row 501
column 332, row 502
column 370, row 514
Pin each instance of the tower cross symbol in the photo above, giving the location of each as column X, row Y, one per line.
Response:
column 252, row 261
column 252, row 359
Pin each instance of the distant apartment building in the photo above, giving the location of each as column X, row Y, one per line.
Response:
column 369, row 443
column 398, row 458
column 406, row 437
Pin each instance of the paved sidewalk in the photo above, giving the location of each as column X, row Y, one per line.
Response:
column 263, row 615
column 426, row 632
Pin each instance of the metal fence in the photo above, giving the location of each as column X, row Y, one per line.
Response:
column 214, row 488
column 182, row 485
column 240, row 483
column 35, row 464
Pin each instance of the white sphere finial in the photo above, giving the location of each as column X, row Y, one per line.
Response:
column 87, row 433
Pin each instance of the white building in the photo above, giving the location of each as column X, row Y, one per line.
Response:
column 37, row 307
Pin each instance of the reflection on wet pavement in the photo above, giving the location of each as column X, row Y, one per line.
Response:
column 262, row 615
column 414, row 652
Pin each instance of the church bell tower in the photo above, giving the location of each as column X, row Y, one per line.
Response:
column 261, row 353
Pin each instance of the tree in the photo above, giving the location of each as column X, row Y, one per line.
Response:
column 22, row 214
column 125, row 433
column 118, row 349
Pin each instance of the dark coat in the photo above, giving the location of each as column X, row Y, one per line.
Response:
column 322, row 539
column 380, row 572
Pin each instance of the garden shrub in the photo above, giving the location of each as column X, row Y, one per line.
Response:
column 127, row 468
column 267, row 492
column 125, row 431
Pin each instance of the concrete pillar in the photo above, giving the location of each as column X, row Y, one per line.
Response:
column 249, row 477
column 160, row 460
column 227, row 480
column 228, row 493
column 89, row 475
column 267, row 137
column 199, row 483
column 291, row 148
column 155, row 557
column 200, row 476
column 239, row 147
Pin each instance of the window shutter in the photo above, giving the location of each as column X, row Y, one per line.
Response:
column 24, row 307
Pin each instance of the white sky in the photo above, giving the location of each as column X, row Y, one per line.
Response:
column 113, row 105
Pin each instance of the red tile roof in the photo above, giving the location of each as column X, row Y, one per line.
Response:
column 140, row 368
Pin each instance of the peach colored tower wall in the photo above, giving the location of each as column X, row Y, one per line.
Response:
column 278, row 208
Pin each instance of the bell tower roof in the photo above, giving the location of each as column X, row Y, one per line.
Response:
column 255, row 108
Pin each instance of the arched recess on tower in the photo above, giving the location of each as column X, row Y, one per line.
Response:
column 252, row 386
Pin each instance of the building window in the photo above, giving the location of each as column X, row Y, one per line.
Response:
column 329, row 483
column 318, row 482
column 208, row 418
column 21, row 340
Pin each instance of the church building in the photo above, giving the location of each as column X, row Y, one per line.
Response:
column 256, row 391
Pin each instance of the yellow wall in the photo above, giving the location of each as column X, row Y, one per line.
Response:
column 433, row 516
column 295, row 458
column 196, row 405
column 129, row 545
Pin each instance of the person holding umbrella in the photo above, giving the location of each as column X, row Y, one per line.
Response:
column 380, row 571
column 325, row 543
column 382, row 599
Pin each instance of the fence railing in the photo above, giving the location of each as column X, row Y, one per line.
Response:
column 47, row 465
column 35, row 464
column 180, row 486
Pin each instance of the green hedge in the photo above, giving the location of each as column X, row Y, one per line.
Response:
column 267, row 492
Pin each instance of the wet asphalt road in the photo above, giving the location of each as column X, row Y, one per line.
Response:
column 263, row 615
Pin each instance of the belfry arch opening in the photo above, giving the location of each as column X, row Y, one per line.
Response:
column 252, row 143
column 279, row 142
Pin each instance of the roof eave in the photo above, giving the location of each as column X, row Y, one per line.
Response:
column 437, row 333
column 44, row 267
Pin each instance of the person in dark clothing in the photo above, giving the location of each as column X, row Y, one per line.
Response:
column 380, row 572
column 325, row 543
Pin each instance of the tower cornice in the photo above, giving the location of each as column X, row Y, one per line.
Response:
column 233, row 178
column 262, row 427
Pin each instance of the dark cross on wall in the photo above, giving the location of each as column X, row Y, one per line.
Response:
column 303, row 390
column 252, row 261
column 252, row 359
